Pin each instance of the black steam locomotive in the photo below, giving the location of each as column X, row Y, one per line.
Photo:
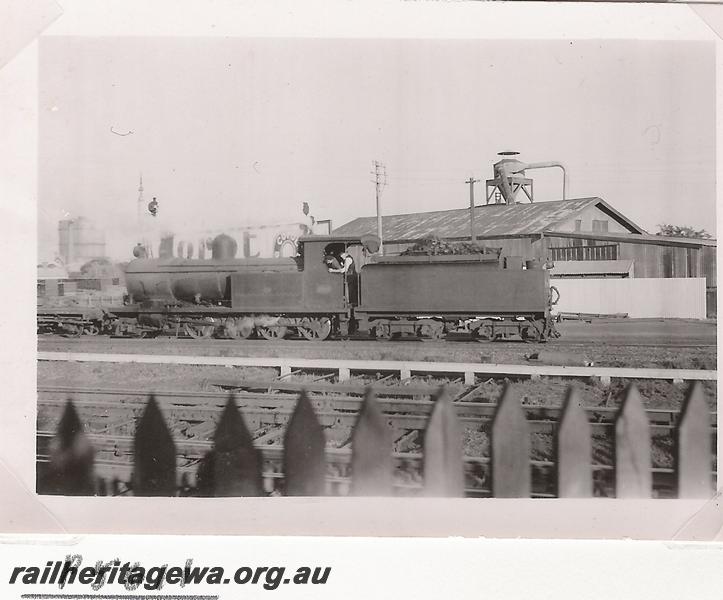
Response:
column 484, row 295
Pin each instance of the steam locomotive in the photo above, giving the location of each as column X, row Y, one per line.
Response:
column 484, row 295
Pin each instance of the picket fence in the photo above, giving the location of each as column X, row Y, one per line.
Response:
column 233, row 467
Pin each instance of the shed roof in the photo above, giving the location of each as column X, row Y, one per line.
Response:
column 591, row 267
column 490, row 219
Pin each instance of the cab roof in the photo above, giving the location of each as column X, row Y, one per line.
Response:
column 369, row 241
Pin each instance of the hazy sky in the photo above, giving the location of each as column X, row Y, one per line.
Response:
column 239, row 131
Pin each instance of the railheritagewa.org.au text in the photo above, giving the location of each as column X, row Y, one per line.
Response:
column 133, row 576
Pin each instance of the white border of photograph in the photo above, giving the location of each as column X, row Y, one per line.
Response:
column 24, row 511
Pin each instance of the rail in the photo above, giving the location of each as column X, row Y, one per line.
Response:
column 344, row 368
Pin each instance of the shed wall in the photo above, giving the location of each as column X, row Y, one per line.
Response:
column 587, row 216
column 639, row 298
column 652, row 260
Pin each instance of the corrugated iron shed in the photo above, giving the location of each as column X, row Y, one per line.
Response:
column 490, row 220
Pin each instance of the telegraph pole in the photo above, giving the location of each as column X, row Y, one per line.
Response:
column 471, row 183
column 140, row 202
column 380, row 180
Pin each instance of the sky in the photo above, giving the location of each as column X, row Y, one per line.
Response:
column 242, row 131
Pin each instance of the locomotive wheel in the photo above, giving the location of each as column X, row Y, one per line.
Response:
column 483, row 332
column 431, row 329
column 383, row 331
column 125, row 329
column 531, row 334
column 230, row 329
column 91, row 330
column 72, row 330
column 273, row 333
column 316, row 329
column 245, row 331
column 198, row 331
column 238, row 328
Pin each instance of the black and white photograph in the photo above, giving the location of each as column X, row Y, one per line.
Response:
column 394, row 267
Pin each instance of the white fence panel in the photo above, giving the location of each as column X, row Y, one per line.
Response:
column 682, row 298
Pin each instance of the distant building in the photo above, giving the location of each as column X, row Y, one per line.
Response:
column 79, row 241
column 96, row 275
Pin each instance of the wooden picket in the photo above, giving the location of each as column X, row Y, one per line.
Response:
column 236, row 462
column 304, row 460
column 574, row 450
column 443, row 464
column 633, row 478
column 154, row 465
column 693, row 446
column 71, row 469
column 371, row 463
column 234, row 466
column 510, row 449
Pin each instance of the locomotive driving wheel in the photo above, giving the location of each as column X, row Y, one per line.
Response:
column 277, row 332
column 315, row 329
column 91, row 329
column 199, row 330
column 72, row 330
column 238, row 328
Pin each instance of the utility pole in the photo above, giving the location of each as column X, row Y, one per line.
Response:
column 140, row 202
column 380, row 180
column 471, row 183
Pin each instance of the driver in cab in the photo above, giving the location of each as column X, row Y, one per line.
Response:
column 345, row 262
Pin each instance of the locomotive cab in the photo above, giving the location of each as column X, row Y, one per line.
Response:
column 320, row 253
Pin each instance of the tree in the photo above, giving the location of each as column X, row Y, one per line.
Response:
column 682, row 231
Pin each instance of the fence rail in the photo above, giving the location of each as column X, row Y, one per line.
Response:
column 332, row 407
column 344, row 368
column 234, row 464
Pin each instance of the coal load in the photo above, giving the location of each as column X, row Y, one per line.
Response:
column 435, row 246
